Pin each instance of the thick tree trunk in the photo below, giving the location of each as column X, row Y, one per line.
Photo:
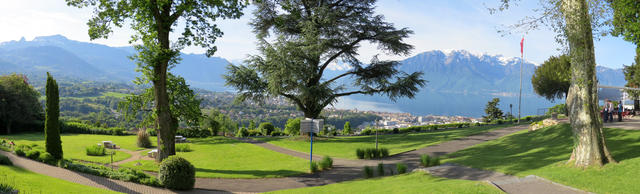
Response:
column 636, row 105
column 166, row 122
column 589, row 147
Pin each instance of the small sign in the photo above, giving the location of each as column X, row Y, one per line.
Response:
column 308, row 125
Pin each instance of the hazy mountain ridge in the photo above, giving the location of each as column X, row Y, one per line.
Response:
column 455, row 76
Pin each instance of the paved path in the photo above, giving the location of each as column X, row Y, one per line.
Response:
column 632, row 123
column 510, row 184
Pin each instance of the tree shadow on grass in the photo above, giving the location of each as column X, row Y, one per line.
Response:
column 256, row 173
column 536, row 149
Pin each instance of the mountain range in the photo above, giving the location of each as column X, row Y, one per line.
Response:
column 459, row 82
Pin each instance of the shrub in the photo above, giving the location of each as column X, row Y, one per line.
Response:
column 6, row 188
column 47, row 158
column 177, row 173
column 380, row 169
column 95, row 150
column 266, row 128
column 143, row 139
column 183, row 147
column 242, row 132
column 425, row 160
column 401, row 168
column 277, row 133
column 435, row 161
column 20, row 152
column 4, row 160
column 375, row 153
column 326, row 163
column 360, row 153
column 384, row 152
column 33, row 154
column 76, row 127
column 194, row 132
column 313, row 167
column 368, row 172
column 253, row 133
column 396, row 130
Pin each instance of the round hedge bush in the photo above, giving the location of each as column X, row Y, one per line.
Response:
column 177, row 173
column 4, row 160
column 46, row 157
column 33, row 154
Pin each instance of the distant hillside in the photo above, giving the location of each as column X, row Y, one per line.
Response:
column 459, row 82
column 95, row 62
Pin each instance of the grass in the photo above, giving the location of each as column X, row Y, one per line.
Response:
column 220, row 157
column 74, row 145
column 417, row 182
column 544, row 153
column 345, row 146
column 29, row 182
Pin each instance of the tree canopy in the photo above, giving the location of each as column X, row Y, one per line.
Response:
column 299, row 39
column 153, row 21
column 18, row 102
column 492, row 110
column 552, row 79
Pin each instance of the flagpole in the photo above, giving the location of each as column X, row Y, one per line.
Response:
column 521, row 62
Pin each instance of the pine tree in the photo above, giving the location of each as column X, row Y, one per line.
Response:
column 52, row 123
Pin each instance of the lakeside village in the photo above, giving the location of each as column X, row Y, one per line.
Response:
column 402, row 120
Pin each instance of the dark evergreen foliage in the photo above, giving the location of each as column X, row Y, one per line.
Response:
column 53, row 143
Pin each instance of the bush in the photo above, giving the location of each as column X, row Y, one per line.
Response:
column 76, row 127
column 253, row 133
column 277, row 133
column 143, row 139
column 6, row 188
column 326, row 163
column 183, row 147
column 4, row 160
column 124, row 174
column 425, row 160
column 313, row 167
column 435, row 161
column 33, row 154
column 384, row 152
column 47, row 158
column 242, row 132
column 401, row 168
column 380, row 169
column 266, row 128
column 95, row 150
column 194, row 132
column 396, row 130
column 368, row 172
column 20, row 152
column 360, row 153
column 177, row 173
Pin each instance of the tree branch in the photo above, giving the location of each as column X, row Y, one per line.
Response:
column 338, row 77
column 294, row 99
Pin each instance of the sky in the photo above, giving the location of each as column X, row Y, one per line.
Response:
column 437, row 25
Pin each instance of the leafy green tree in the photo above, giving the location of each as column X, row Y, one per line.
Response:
column 18, row 101
column 553, row 78
column 266, row 128
column 53, row 144
column 153, row 21
column 576, row 22
column 492, row 110
column 184, row 104
column 626, row 23
column 217, row 121
column 299, row 39
column 252, row 125
column 346, row 130
column 292, row 127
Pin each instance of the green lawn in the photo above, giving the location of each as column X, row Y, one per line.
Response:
column 73, row 145
column 544, row 153
column 220, row 157
column 417, row 182
column 29, row 182
column 345, row 146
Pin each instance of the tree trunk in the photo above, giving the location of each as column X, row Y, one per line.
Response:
column 636, row 105
column 589, row 147
column 166, row 122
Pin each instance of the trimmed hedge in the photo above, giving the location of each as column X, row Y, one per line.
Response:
column 124, row 174
column 4, row 160
column 372, row 153
column 177, row 173
column 95, row 150
column 76, row 127
column 33, row 154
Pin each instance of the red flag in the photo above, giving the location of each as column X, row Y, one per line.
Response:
column 521, row 46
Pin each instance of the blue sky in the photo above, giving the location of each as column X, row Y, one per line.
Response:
column 438, row 25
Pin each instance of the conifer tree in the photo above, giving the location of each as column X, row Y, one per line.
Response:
column 52, row 124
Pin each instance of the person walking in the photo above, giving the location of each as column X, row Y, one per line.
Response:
column 620, row 109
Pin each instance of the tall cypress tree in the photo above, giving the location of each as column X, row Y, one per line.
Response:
column 52, row 123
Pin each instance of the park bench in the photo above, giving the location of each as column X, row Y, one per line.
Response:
column 153, row 153
column 180, row 139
